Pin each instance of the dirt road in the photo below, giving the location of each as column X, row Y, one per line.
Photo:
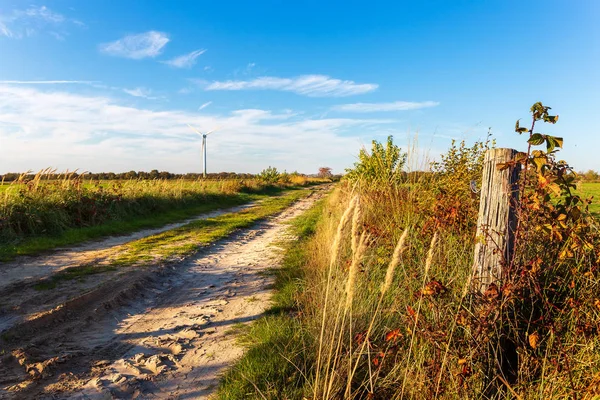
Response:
column 32, row 268
column 19, row 297
column 168, row 335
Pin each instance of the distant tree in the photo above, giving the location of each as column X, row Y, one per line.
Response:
column 131, row 175
column 590, row 176
column 325, row 172
column 11, row 176
column 269, row 175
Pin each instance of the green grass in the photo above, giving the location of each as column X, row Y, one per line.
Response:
column 592, row 189
column 271, row 367
column 34, row 245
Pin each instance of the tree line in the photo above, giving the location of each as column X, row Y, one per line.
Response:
column 153, row 174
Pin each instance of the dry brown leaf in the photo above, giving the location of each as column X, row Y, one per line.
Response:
column 534, row 340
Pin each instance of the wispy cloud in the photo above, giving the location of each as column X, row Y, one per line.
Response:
column 141, row 92
column 4, row 31
column 100, row 133
column 203, row 106
column 377, row 107
column 44, row 14
column 185, row 90
column 186, row 60
column 21, row 23
column 246, row 71
column 47, row 82
column 307, row 85
column 143, row 45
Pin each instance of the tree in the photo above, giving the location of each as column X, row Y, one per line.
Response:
column 382, row 167
column 325, row 172
column 590, row 176
column 269, row 175
column 131, row 175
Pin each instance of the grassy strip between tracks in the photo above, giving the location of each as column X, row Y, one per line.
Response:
column 181, row 242
column 271, row 367
column 73, row 236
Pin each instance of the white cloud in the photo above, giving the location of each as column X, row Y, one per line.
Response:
column 143, row 45
column 4, row 31
column 186, row 60
column 394, row 106
column 140, row 92
column 47, row 82
column 22, row 23
column 308, row 85
column 44, row 14
column 97, row 133
column 203, row 106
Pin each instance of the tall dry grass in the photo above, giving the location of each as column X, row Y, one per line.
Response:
column 400, row 321
column 44, row 206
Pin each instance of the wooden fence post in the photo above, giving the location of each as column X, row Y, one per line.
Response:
column 497, row 219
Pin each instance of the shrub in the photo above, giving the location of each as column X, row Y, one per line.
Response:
column 269, row 175
column 454, row 185
column 381, row 168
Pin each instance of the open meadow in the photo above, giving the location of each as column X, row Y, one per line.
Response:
column 591, row 190
column 42, row 213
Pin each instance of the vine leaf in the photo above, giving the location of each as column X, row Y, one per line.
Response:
column 536, row 139
column 519, row 129
column 553, row 142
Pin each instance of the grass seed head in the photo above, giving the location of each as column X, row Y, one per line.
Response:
column 335, row 247
column 430, row 253
column 389, row 275
column 356, row 220
column 353, row 272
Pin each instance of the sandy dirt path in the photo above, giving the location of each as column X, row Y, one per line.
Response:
column 29, row 268
column 169, row 340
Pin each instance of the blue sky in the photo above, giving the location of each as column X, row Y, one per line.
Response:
column 110, row 86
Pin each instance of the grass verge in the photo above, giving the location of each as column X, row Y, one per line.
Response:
column 272, row 366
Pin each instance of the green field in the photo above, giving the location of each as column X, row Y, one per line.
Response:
column 592, row 190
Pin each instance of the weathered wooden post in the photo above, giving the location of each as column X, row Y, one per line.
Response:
column 497, row 219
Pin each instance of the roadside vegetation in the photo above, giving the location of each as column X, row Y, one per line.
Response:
column 376, row 302
column 38, row 213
